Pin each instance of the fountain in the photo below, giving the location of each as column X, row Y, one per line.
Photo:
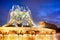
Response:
column 19, row 17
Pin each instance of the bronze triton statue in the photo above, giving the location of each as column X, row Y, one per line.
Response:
column 19, row 16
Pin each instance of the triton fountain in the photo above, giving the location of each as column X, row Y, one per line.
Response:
column 18, row 16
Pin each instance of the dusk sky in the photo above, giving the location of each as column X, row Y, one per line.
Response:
column 45, row 10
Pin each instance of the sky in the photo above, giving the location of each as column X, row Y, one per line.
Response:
column 41, row 10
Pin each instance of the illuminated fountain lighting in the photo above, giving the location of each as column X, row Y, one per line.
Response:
column 16, row 33
column 17, row 14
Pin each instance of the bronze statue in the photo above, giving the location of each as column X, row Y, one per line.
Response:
column 18, row 15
